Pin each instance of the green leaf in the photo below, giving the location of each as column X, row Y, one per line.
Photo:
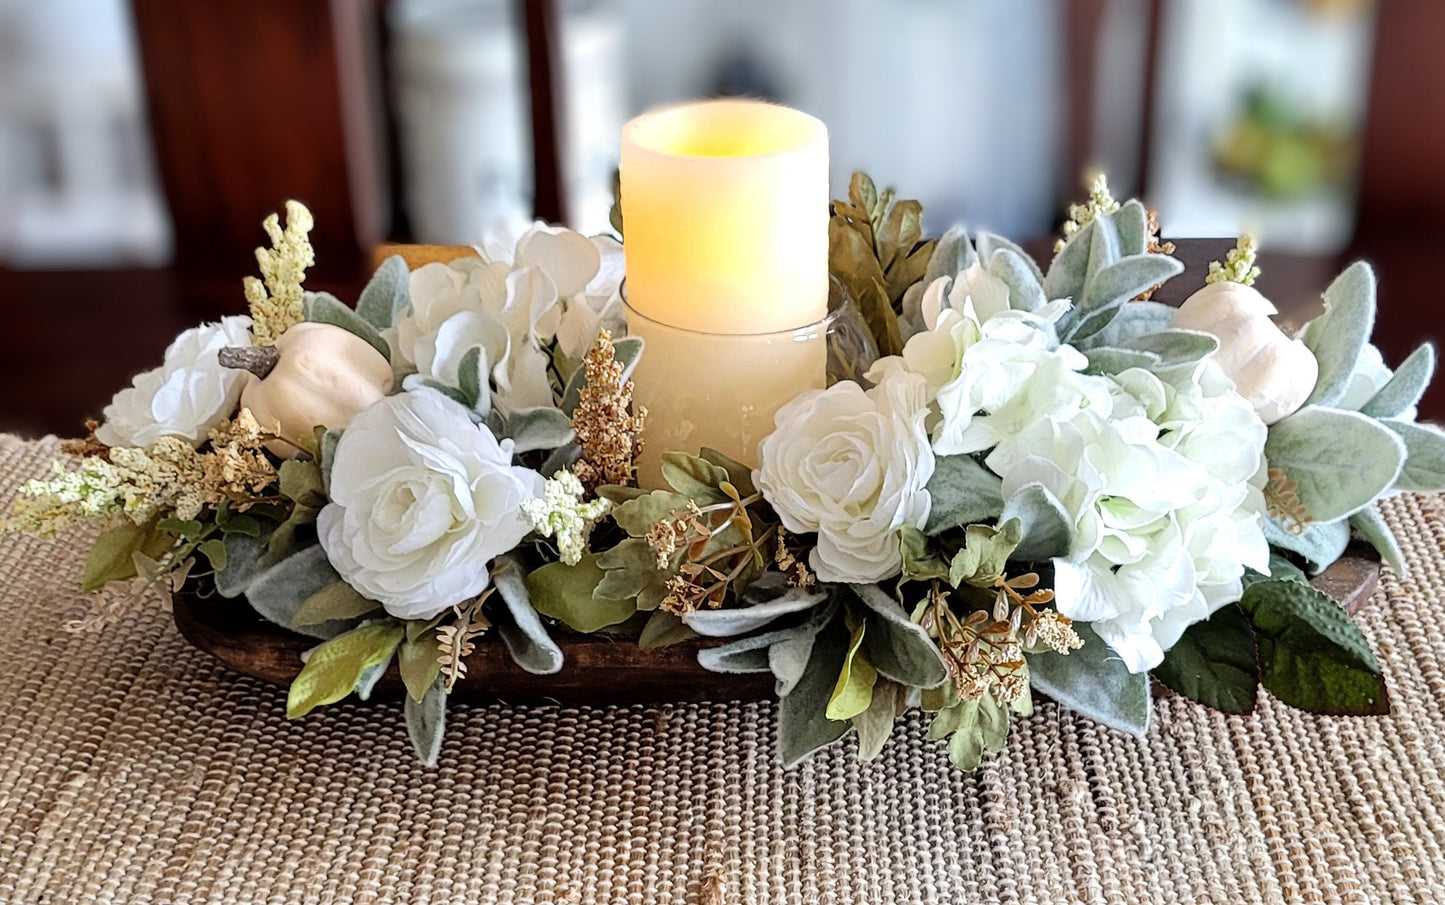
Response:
column 897, row 647
column 1405, row 387
column 1109, row 360
column 387, row 295
column 426, row 722
column 853, row 691
column 189, row 530
column 1132, row 221
column 851, row 258
column 1320, row 544
column 474, row 386
column 985, row 553
column 1110, row 289
column 1093, row 681
column 1337, row 337
column 335, row 601
column 1021, row 275
column 1341, row 460
column 694, row 477
column 242, row 524
column 1372, row 526
column 1311, row 655
column 325, row 308
column 875, row 725
column 803, row 724
column 1065, row 277
column 975, row 730
column 963, row 492
column 214, row 550
column 1213, row 663
column 1424, row 468
column 326, row 452
column 417, row 661
column 112, row 557
column 638, row 515
column 566, row 593
column 919, row 562
column 739, row 474
column 334, row 667
column 1045, row 530
column 300, row 482
column 664, row 629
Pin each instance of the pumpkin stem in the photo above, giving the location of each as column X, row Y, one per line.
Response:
column 259, row 360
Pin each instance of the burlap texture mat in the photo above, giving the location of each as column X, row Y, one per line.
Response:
column 135, row 769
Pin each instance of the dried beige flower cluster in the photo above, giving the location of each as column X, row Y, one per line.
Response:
column 984, row 650
column 276, row 304
column 609, row 433
column 139, row 484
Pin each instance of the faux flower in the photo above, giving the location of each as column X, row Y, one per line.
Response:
column 422, row 500
column 851, row 466
column 186, row 396
column 561, row 513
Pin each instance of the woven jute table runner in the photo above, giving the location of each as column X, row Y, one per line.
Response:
column 134, row 769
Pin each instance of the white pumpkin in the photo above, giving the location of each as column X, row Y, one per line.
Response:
column 1274, row 372
column 324, row 375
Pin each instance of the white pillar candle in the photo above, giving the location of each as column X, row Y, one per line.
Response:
column 725, row 216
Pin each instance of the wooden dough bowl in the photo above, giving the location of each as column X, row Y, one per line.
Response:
column 599, row 669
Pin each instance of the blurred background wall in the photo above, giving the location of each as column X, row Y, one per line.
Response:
column 142, row 142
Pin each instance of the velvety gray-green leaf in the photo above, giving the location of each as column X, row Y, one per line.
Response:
column 1321, row 543
column 1094, row 681
column 1337, row 336
column 963, row 492
column 1133, row 320
column 803, row 724
column 278, row 592
column 1045, row 528
column 724, row 623
column 387, row 295
column 896, row 646
column 1424, row 468
column 1372, row 526
column 1340, row 460
column 324, row 308
column 525, row 636
column 426, row 722
column 1405, row 386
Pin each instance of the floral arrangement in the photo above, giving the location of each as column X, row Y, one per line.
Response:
column 1045, row 482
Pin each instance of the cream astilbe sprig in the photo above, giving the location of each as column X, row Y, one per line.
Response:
column 1099, row 202
column 1238, row 266
column 609, row 429
column 560, row 513
column 276, row 303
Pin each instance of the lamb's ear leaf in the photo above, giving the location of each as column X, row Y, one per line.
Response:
column 1424, row 468
column 1405, row 386
column 1319, row 543
column 278, row 592
column 1132, row 221
column 963, row 492
column 1046, row 529
column 1371, row 524
column 1095, row 682
column 1339, row 460
column 803, row 724
column 1111, row 289
column 897, row 646
column 1133, row 320
column 525, row 636
column 426, row 722
column 1337, row 337
column 325, row 308
column 1021, row 275
column 1065, row 276
column 387, row 295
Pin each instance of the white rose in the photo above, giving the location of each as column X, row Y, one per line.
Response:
column 422, row 500
column 852, row 466
column 185, row 397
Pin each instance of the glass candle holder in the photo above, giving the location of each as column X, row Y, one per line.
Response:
column 721, row 390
